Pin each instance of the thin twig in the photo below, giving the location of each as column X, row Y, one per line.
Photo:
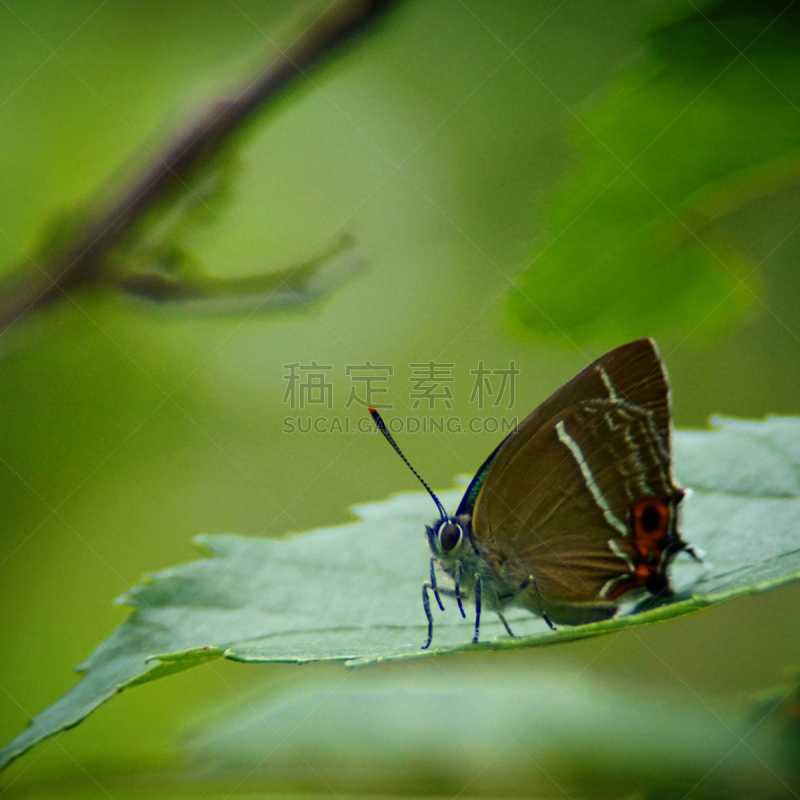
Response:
column 79, row 260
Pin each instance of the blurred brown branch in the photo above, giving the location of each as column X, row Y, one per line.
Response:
column 79, row 258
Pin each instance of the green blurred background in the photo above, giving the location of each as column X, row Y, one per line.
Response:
column 125, row 431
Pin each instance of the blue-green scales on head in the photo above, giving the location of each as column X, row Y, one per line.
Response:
column 573, row 509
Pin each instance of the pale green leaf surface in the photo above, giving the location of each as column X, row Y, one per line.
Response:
column 352, row 592
column 503, row 731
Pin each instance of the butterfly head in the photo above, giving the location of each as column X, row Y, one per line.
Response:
column 450, row 539
column 447, row 534
column 445, row 537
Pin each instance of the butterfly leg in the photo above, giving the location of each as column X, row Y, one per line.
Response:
column 531, row 581
column 477, row 608
column 433, row 584
column 697, row 553
column 426, row 604
column 503, row 620
column 458, row 593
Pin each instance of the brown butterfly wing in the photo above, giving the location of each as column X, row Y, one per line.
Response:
column 632, row 372
column 562, row 488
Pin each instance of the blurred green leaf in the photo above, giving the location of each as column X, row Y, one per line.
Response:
column 352, row 593
column 704, row 126
column 505, row 731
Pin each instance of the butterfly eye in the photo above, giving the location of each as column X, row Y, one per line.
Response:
column 449, row 535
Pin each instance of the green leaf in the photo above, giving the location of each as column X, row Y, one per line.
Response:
column 693, row 133
column 503, row 730
column 352, row 593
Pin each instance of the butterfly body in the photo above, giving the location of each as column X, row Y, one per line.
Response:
column 471, row 561
column 577, row 507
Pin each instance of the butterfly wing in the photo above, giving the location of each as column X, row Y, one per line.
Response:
column 633, row 373
column 562, row 507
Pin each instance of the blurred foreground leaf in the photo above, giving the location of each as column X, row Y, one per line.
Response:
column 501, row 731
column 707, row 124
column 352, row 593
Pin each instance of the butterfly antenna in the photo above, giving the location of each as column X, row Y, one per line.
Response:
column 388, row 436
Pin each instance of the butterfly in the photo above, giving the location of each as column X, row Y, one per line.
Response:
column 574, row 509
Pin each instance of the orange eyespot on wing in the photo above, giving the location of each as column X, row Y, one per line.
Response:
column 650, row 520
column 651, row 537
